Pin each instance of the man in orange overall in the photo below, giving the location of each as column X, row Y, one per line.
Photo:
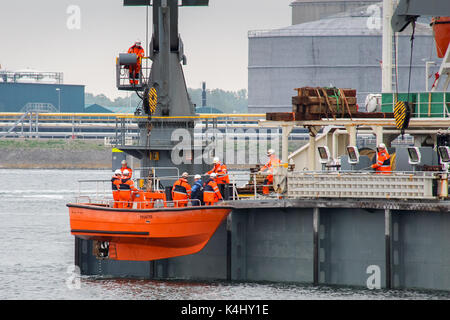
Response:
column 125, row 167
column 211, row 193
column 383, row 164
column 115, row 182
column 221, row 171
column 135, row 71
column 125, row 187
column 273, row 162
column 181, row 191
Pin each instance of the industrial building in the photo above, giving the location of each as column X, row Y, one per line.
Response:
column 343, row 50
column 23, row 91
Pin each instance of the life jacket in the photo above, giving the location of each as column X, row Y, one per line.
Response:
column 383, row 164
column 211, row 192
column 273, row 162
column 125, row 187
column 181, row 190
column 122, row 169
column 222, row 173
column 139, row 51
column 115, row 182
column 126, row 184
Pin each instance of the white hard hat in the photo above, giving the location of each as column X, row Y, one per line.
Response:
column 216, row 160
column 382, row 146
column 197, row 176
column 213, row 175
column 124, row 161
column 117, row 172
column 270, row 151
column 126, row 172
column 185, row 174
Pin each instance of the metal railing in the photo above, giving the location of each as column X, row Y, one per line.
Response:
column 298, row 184
column 361, row 184
column 123, row 81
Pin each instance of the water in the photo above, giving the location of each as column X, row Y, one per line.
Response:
column 37, row 252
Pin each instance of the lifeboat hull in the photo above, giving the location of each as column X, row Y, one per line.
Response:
column 147, row 234
column 441, row 29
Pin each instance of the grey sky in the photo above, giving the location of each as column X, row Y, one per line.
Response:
column 34, row 34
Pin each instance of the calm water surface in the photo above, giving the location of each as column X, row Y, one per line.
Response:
column 37, row 251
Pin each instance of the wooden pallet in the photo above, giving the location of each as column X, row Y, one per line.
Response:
column 303, row 116
column 312, row 103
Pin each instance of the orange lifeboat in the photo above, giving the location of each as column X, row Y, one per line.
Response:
column 441, row 30
column 146, row 234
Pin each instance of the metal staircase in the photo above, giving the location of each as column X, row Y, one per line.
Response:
column 19, row 121
column 444, row 71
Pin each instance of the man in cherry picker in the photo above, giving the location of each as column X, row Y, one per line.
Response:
column 181, row 191
column 126, row 186
column 115, row 182
column 211, row 193
column 273, row 162
column 135, row 71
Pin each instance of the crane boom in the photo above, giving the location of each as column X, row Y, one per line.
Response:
column 409, row 10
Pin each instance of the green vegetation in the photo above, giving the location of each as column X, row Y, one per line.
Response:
column 51, row 144
column 225, row 101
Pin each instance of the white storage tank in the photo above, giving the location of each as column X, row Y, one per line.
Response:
column 343, row 50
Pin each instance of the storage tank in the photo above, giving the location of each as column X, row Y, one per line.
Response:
column 343, row 50
column 310, row 10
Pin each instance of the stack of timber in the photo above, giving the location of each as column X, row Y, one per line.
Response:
column 315, row 103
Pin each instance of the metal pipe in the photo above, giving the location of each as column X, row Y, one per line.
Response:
column 316, row 217
column 387, row 46
column 387, row 236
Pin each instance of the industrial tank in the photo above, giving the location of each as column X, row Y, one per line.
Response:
column 343, row 50
column 310, row 10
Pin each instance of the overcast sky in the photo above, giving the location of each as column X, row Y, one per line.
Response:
column 47, row 35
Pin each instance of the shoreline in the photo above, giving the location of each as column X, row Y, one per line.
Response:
column 18, row 157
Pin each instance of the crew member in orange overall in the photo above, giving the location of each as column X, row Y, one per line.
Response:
column 383, row 164
column 125, row 187
column 211, row 193
column 221, row 171
column 135, row 71
column 181, row 191
column 125, row 167
column 273, row 162
column 115, row 182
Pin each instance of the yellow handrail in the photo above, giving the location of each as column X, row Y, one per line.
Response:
column 132, row 116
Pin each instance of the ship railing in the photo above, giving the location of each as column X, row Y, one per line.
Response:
column 100, row 194
column 362, row 184
column 154, row 204
column 253, row 187
column 156, row 180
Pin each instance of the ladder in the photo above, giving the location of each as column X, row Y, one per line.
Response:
column 444, row 70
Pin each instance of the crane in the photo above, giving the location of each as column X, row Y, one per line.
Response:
column 408, row 11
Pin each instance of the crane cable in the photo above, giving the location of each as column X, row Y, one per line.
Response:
column 413, row 23
column 402, row 109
